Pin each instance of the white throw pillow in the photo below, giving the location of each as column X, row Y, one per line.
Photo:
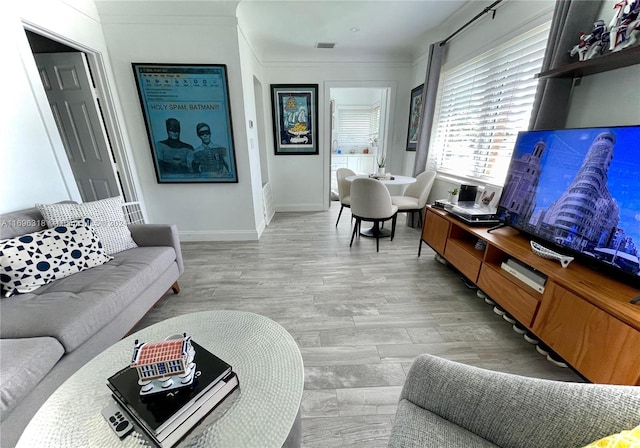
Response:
column 107, row 218
column 30, row 261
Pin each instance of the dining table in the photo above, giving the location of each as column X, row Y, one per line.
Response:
column 392, row 179
column 388, row 180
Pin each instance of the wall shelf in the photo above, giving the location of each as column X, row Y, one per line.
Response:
column 611, row 61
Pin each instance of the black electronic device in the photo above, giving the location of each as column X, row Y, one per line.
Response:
column 576, row 191
column 117, row 419
column 467, row 193
column 473, row 214
column 525, row 273
column 440, row 203
column 503, row 222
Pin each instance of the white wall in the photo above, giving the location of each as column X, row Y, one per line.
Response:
column 34, row 164
column 208, row 33
column 512, row 18
column 210, row 211
column 606, row 99
column 301, row 182
column 252, row 70
column 610, row 98
column 30, row 170
column 203, row 211
column 76, row 23
column 356, row 97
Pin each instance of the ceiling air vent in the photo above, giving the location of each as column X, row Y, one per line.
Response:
column 325, row 44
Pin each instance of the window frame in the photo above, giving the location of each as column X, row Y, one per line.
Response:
column 489, row 142
column 366, row 123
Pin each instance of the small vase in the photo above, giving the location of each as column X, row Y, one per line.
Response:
column 381, row 171
column 453, row 199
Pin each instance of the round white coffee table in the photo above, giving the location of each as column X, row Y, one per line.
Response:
column 264, row 412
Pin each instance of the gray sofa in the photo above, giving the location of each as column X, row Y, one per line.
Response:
column 447, row 404
column 48, row 334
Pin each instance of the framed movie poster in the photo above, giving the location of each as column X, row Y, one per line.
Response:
column 187, row 113
column 415, row 114
column 295, row 118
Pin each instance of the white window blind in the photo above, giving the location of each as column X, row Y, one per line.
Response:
column 354, row 126
column 483, row 104
column 374, row 135
column 375, row 121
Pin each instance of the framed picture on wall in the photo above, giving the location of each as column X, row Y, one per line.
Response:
column 415, row 114
column 295, row 118
column 187, row 115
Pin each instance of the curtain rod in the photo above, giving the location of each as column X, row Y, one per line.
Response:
column 484, row 11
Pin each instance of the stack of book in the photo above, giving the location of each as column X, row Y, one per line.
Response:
column 167, row 417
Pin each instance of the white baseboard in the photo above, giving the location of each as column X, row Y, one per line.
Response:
column 300, row 208
column 223, row 235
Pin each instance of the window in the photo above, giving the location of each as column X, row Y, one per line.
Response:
column 147, row 371
column 481, row 107
column 175, row 365
column 356, row 125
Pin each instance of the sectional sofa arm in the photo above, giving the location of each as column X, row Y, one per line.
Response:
column 517, row 411
column 158, row 235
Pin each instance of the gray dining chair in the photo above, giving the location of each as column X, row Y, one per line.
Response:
column 371, row 202
column 344, row 189
column 415, row 196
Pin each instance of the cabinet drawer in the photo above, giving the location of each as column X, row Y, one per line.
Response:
column 515, row 300
column 435, row 231
column 458, row 255
column 603, row 348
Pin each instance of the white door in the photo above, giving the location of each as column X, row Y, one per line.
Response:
column 65, row 77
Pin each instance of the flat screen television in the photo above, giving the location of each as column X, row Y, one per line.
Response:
column 577, row 191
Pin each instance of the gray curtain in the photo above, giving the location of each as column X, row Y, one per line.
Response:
column 429, row 94
column 551, row 104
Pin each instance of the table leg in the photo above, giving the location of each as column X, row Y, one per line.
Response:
column 375, row 231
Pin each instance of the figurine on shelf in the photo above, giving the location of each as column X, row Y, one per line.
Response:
column 581, row 47
column 164, row 366
column 625, row 25
column 592, row 44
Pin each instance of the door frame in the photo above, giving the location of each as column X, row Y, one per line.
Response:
column 386, row 121
column 125, row 172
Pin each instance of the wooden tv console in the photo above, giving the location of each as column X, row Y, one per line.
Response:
column 583, row 315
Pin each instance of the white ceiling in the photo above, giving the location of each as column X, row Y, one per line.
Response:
column 388, row 30
column 280, row 30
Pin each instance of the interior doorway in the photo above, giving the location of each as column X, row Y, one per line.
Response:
column 268, row 203
column 71, row 90
column 358, row 130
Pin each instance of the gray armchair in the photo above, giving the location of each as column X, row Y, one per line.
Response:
column 447, row 404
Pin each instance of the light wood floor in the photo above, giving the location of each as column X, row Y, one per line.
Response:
column 359, row 317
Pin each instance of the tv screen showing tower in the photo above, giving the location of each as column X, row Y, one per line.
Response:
column 580, row 190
